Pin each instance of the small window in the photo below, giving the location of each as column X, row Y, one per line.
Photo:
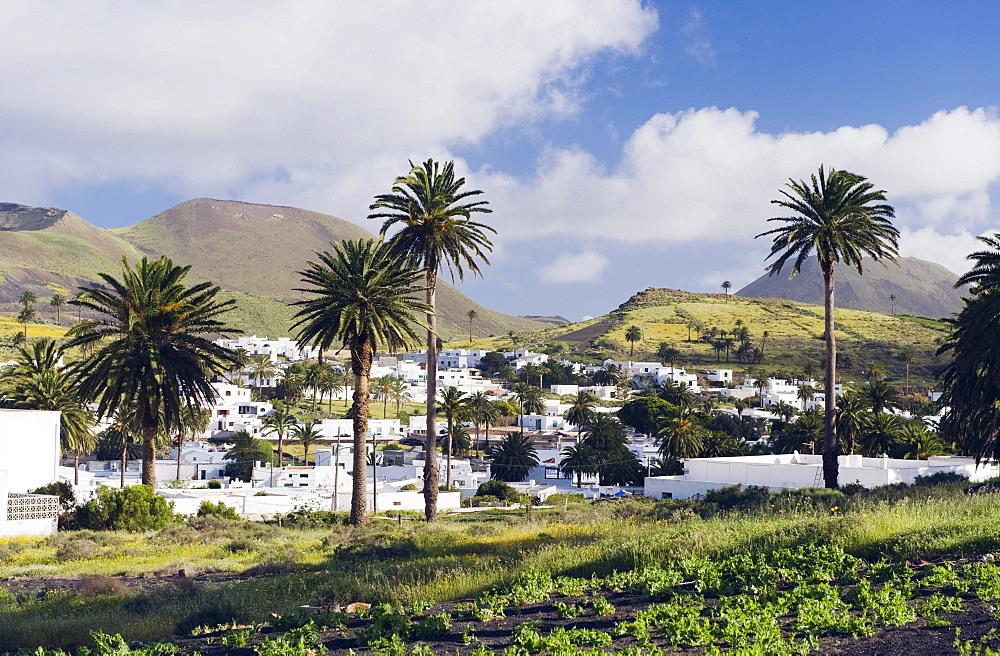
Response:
column 397, row 503
column 666, row 495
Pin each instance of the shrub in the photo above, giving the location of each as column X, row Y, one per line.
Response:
column 215, row 484
column 502, row 491
column 737, row 497
column 135, row 508
column 67, row 502
column 207, row 508
column 408, row 487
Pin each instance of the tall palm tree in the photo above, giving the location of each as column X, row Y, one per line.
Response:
column 852, row 415
column 313, row 378
column 436, row 232
column 280, row 422
column 578, row 460
column 472, row 314
column 881, row 434
column 580, row 411
column 681, row 438
column 513, row 458
column 381, row 389
column 261, row 367
column 399, row 393
column 609, row 374
column 25, row 316
column 972, row 378
column 475, row 408
column 633, row 334
column 668, row 353
column 529, row 401
column 306, row 435
column 490, row 414
column 27, row 298
column 841, row 217
column 726, row 286
column 246, row 451
column 804, row 394
column 361, row 297
column 57, row 301
column 452, row 404
column 333, row 383
column 880, row 395
column 149, row 355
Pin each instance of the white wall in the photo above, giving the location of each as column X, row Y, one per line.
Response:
column 29, row 447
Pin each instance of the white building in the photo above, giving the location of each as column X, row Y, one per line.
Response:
column 386, row 430
column 448, row 358
column 654, row 373
column 795, row 471
column 233, row 410
column 283, row 347
column 29, row 458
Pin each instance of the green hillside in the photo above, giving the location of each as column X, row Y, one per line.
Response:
column 794, row 342
column 253, row 251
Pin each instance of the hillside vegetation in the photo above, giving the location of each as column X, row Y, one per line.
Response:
column 794, row 342
column 253, row 251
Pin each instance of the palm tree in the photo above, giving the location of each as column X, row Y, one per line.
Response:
column 25, row 316
column 261, row 367
column 578, row 460
column 361, row 297
column 472, row 314
column 726, row 286
column 806, row 431
column 452, row 405
column 972, row 378
column 580, row 411
column 27, row 298
column 119, row 442
column 633, row 334
column 475, row 408
column 681, row 438
column 804, row 394
column 313, row 378
column 437, row 232
column 513, row 458
column 246, row 450
column 892, row 304
column 490, row 414
column 667, row 352
column 880, row 395
column 57, row 301
column 381, row 389
column 149, row 355
column 841, row 217
column 609, row 374
column 333, row 383
column 531, row 370
column 529, row 400
column 280, row 422
column 852, row 415
column 907, row 354
column 881, row 434
column 306, row 435
column 399, row 393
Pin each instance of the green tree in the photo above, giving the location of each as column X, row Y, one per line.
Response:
column 529, row 401
column 58, row 301
column 726, row 286
column 881, row 434
column 475, row 407
column 633, row 334
column 261, row 367
column 842, row 218
column 972, row 378
column 194, row 421
column 578, row 460
column 580, row 411
column 436, row 232
column 244, row 452
column 513, row 458
column 472, row 314
column 880, row 395
column 25, row 316
column 280, row 422
column 681, row 438
column 381, row 390
column 360, row 296
column 668, row 353
column 306, row 435
column 452, row 405
column 852, row 415
column 150, row 357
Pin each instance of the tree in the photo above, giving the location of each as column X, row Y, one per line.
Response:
column 437, row 231
column 882, row 432
column 578, row 460
column 149, row 356
column 246, row 451
column 475, row 408
column 57, row 301
column 194, row 421
column 513, row 458
column 361, row 297
column 806, row 432
column 726, row 286
column 119, row 443
column 399, row 392
column 261, row 367
column 681, row 438
column 312, row 378
column 529, row 401
column 25, row 316
column 609, row 374
column 880, row 395
column 452, row 404
column 472, row 314
column 580, row 411
column 280, row 422
column 841, row 217
column 381, row 389
column 668, row 353
column 907, row 354
column 633, row 334
column 805, row 394
column 892, row 304
column 852, row 415
column 972, row 379
column 333, row 383
column 306, row 435
column 27, row 298
column 616, row 465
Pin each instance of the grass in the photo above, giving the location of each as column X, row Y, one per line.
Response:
column 458, row 558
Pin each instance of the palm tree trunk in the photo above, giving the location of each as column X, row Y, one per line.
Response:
column 149, row 432
column 431, row 468
column 281, row 455
column 374, row 476
column 76, row 468
column 830, row 468
column 361, row 366
column 124, row 460
column 336, row 475
column 451, row 427
column 180, row 446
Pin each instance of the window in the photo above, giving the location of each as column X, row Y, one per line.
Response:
column 666, row 495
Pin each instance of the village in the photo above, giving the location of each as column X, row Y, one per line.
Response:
column 201, row 471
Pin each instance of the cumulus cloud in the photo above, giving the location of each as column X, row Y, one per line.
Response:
column 708, row 175
column 211, row 95
column 579, row 267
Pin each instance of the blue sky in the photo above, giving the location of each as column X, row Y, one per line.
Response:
column 622, row 145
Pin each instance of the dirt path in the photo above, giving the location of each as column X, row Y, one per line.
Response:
column 586, row 336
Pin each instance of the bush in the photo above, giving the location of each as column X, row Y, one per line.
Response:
column 408, row 487
column 135, row 508
column 502, row 491
column 207, row 508
column 67, row 501
column 215, row 484
column 737, row 497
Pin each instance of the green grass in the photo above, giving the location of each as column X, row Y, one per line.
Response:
column 458, row 558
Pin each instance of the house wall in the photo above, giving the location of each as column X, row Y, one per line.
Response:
column 29, row 447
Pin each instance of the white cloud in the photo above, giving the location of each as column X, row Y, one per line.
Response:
column 574, row 267
column 708, row 175
column 206, row 95
column 699, row 41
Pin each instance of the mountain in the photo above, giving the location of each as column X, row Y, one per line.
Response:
column 921, row 288
column 252, row 251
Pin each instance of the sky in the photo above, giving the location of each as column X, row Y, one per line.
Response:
column 621, row 145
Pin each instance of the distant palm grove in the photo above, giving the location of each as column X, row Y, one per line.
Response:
column 143, row 361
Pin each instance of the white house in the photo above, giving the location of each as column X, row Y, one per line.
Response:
column 29, row 458
column 794, row 471
column 233, row 410
column 282, row 347
column 387, row 430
